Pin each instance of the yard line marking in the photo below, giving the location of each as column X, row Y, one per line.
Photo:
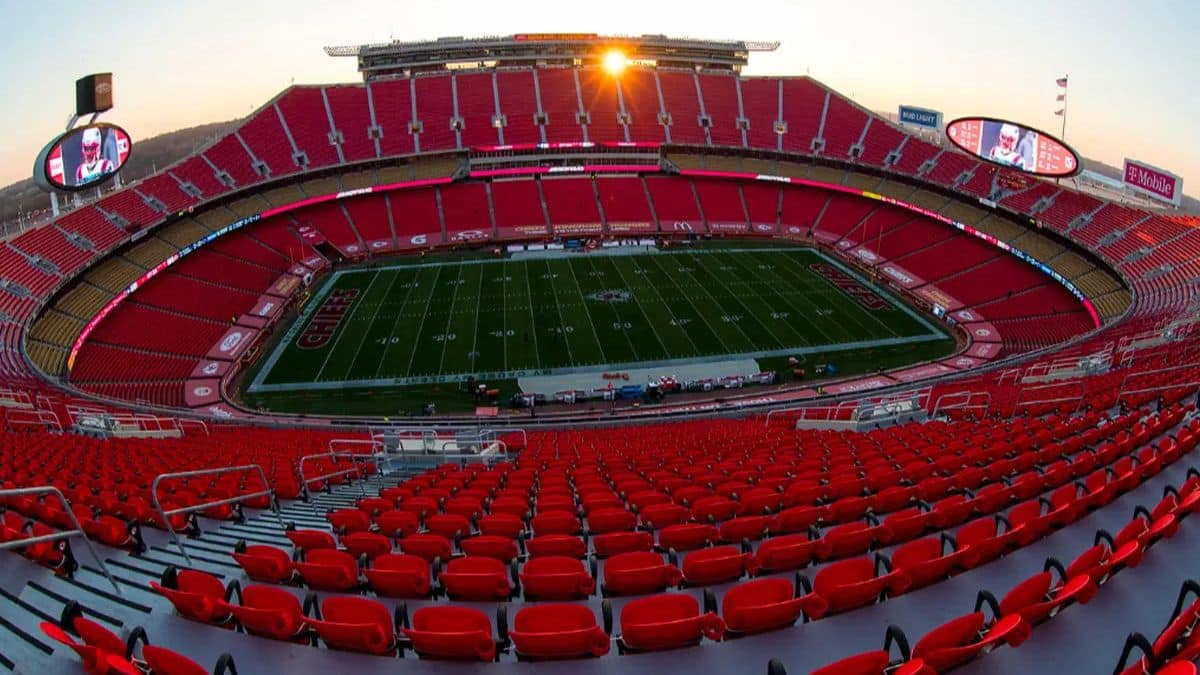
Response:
column 537, row 353
column 449, row 319
column 432, row 290
column 688, row 297
column 587, row 312
column 665, row 351
column 399, row 315
column 561, row 323
column 366, row 331
column 628, row 341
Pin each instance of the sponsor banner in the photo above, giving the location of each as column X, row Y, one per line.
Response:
column 1153, row 182
column 866, row 255
column 286, row 285
column 577, row 228
column 763, row 228
column 921, row 372
column 380, row 245
column 982, row 331
column 311, row 235
column 966, row 316
column 236, row 340
column 963, row 362
column 315, row 262
column 201, row 392
column 859, row 385
column 350, row 250
column 727, row 227
column 630, row 227
column 469, row 235
column 421, row 240
column 267, row 307
column 210, row 368
column 984, row 350
column 222, row 411
column 920, row 117
column 935, row 296
column 901, row 276
column 251, row 321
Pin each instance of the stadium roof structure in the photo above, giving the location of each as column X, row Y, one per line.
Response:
column 523, row 49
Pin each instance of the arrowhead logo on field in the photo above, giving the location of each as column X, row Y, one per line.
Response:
column 614, row 295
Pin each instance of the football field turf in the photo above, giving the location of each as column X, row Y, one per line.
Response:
column 499, row 319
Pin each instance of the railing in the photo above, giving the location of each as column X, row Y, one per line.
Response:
column 338, row 445
column 970, row 400
column 33, row 418
column 166, row 515
column 1076, row 391
column 1190, row 370
column 354, row 470
column 75, row 531
column 184, row 423
column 493, row 447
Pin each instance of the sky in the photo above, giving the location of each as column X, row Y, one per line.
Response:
column 1133, row 89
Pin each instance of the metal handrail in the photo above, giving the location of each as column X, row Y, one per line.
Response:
column 183, row 421
column 965, row 404
column 493, row 443
column 77, row 530
column 374, row 444
column 353, row 456
column 166, row 515
column 1078, row 397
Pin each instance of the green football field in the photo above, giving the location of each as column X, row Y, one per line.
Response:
column 419, row 324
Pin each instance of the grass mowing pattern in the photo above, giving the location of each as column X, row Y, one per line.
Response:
column 420, row 324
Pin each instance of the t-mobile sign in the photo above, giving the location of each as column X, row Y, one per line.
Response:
column 1153, row 181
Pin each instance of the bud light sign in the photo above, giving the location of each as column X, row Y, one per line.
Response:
column 1153, row 181
column 920, row 117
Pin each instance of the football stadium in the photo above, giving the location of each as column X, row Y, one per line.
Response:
column 555, row 353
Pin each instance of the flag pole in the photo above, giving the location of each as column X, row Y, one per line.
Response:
column 1063, row 134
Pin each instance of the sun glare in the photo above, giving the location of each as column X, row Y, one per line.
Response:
column 614, row 62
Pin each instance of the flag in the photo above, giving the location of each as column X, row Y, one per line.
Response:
column 1062, row 81
column 1059, row 112
column 1061, row 97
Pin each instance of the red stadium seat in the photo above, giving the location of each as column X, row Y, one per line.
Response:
column 311, row 540
column 196, row 595
column 328, row 570
column 687, row 536
column 476, row 578
column 264, row 563
column 605, row 545
column 431, row 547
column 501, row 548
column 557, row 631
column 852, row 583
column 396, row 523
column 962, row 639
column 785, row 552
column 556, row 545
column 369, row 544
column 638, row 573
column 399, row 575
column 355, row 624
column 925, row 561
column 769, row 604
column 270, row 612
column 716, row 565
column 667, row 621
column 556, row 578
column 452, row 633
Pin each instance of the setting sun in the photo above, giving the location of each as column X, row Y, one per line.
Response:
column 614, row 62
